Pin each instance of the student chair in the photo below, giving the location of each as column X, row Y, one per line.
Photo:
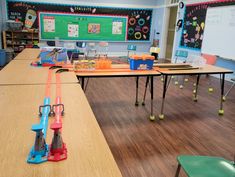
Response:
column 91, row 49
column 205, row 166
column 131, row 48
column 210, row 60
column 154, row 51
column 81, row 46
column 103, row 48
column 181, row 54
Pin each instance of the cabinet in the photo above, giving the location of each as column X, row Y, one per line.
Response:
column 18, row 40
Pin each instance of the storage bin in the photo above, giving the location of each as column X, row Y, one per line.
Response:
column 9, row 54
column 2, row 57
column 144, row 62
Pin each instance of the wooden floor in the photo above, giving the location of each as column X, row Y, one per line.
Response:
column 149, row 149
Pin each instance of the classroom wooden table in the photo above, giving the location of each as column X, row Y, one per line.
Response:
column 88, row 152
column 21, row 72
column 207, row 69
column 121, row 70
column 28, row 54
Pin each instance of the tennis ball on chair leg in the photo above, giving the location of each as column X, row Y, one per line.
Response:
column 221, row 112
column 224, row 98
column 186, row 80
column 195, row 98
column 181, row 86
column 136, row 103
column 152, row 117
column 210, row 90
column 162, row 79
column 161, row 116
column 143, row 103
column 194, row 91
column 194, row 84
column 176, row 82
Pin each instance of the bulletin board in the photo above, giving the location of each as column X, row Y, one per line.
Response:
column 138, row 24
column 66, row 26
column 194, row 23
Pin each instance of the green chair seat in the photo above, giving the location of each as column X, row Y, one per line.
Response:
column 206, row 166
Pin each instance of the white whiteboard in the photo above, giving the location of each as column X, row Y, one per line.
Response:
column 219, row 32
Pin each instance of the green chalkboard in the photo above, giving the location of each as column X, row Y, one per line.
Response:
column 65, row 26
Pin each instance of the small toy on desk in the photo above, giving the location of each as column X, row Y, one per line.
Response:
column 103, row 63
column 53, row 55
column 144, row 62
column 84, row 65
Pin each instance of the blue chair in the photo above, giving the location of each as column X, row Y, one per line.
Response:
column 131, row 48
column 205, row 166
column 181, row 54
column 91, row 50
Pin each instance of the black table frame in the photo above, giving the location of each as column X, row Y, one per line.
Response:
column 81, row 78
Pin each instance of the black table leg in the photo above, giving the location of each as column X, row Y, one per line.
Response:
column 137, row 88
column 161, row 115
column 146, row 87
column 196, row 89
column 82, row 82
column 221, row 110
column 152, row 117
column 178, row 171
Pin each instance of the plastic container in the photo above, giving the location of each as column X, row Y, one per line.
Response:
column 2, row 57
column 9, row 54
column 144, row 62
column 13, row 25
column 103, row 63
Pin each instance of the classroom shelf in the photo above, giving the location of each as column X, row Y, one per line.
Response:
column 19, row 39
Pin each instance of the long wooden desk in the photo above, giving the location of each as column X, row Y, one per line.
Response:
column 20, row 72
column 121, row 71
column 28, row 54
column 88, row 152
column 208, row 69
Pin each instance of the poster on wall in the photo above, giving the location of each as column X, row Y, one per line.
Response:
column 117, row 27
column 73, row 30
column 194, row 23
column 49, row 24
column 139, row 20
column 193, row 27
column 93, row 28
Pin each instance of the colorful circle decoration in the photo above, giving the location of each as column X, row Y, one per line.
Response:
column 131, row 31
column 138, row 35
column 132, row 21
column 141, row 21
column 145, row 29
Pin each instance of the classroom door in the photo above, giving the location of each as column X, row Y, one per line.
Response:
column 171, row 31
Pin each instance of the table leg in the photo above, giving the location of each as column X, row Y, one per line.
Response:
column 137, row 88
column 146, row 87
column 82, row 82
column 161, row 116
column 196, row 89
column 178, row 171
column 152, row 117
column 221, row 110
